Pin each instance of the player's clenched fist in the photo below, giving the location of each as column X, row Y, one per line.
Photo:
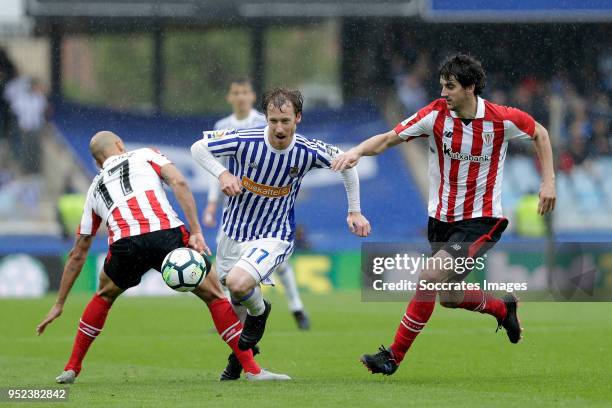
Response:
column 358, row 224
column 230, row 184
column 346, row 160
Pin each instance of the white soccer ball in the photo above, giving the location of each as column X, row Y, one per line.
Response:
column 183, row 269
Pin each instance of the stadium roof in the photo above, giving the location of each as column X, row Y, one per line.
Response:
column 93, row 15
column 205, row 9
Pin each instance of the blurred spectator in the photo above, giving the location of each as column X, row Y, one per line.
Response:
column 499, row 97
column 411, row 92
column 605, row 67
column 7, row 73
column 577, row 144
column 69, row 208
column 30, row 107
column 14, row 87
column 601, row 138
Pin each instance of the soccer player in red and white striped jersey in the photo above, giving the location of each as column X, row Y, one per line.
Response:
column 468, row 138
column 128, row 196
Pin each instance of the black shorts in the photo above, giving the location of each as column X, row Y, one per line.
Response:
column 130, row 258
column 465, row 238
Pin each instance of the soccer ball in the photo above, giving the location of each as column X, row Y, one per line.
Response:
column 183, row 269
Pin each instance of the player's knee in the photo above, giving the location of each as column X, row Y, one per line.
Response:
column 109, row 293
column 450, row 299
column 431, row 275
column 239, row 285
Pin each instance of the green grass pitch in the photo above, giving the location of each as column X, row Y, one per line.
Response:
column 160, row 352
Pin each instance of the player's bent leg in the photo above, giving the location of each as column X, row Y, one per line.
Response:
column 476, row 300
column 245, row 289
column 107, row 289
column 90, row 326
column 451, row 298
column 504, row 310
column 210, row 288
column 227, row 325
column 240, row 283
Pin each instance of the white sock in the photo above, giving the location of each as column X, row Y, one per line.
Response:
column 254, row 302
column 240, row 310
column 285, row 273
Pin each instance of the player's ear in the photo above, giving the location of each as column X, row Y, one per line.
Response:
column 120, row 146
column 470, row 88
column 298, row 118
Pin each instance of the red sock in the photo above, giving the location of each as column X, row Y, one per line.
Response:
column 479, row 301
column 90, row 325
column 229, row 327
column 417, row 314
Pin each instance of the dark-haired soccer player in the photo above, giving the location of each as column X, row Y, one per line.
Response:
column 468, row 137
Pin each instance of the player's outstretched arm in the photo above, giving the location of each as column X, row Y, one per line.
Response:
column 369, row 147
column 357, row 223
column 175, row 179
column 72, row 269
column 543, row 149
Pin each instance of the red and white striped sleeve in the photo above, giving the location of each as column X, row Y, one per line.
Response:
column 156, row 159
column 518, row 124
column 418, row 125
column 90, row 220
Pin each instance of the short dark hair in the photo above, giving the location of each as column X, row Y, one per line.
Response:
column 466, row 69
column 241, row 81
column 277, row 97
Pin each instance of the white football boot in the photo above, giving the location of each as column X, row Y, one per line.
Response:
column 265, row 375
column 67, row 377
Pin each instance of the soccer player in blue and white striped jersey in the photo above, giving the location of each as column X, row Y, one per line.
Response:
column 241, row 97
column 266, row 168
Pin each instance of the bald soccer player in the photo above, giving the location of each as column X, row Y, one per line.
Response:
column 128, row 195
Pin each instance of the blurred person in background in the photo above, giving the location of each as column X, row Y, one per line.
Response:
column 7, row 73
column 30, row 108
column 411, row 92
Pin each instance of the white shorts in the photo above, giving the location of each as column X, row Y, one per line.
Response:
column 259, row 257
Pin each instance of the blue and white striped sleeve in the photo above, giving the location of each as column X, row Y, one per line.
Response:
column 223, row 142
column 217, row 143
column 325, row 154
